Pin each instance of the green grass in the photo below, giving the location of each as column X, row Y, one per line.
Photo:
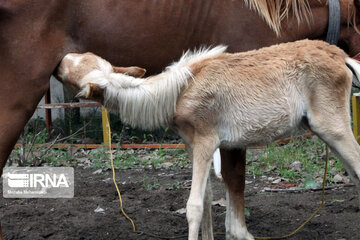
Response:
column 277, row 160
column 274, row 160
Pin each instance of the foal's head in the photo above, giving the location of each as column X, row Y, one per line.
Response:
column 75, row 69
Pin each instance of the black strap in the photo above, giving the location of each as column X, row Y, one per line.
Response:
column 334, row 22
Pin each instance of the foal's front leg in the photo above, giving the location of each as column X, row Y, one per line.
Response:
column 202, row 150
column 206, row 222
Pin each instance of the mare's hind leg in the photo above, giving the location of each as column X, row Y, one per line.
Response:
column 233, row 171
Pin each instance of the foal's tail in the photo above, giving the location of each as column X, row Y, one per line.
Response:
column 354, row 66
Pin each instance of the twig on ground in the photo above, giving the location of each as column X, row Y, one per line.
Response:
column 298, row 190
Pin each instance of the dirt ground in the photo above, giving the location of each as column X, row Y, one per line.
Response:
column 152, row 197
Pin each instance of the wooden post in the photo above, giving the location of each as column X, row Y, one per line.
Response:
column 48, row 118
column 105, row 124
column 356, row 115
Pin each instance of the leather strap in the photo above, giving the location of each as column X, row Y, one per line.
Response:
column 332, row 36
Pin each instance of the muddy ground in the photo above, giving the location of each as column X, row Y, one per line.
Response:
column 152, row 197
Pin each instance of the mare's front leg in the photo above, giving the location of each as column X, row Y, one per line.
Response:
column 24, row 78
column 18, row 100
column 233, row 172
column 203, row 148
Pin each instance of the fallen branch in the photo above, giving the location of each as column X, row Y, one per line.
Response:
column 297, row 190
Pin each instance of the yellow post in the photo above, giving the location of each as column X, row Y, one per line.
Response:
column 356, row 115
column 105, row 124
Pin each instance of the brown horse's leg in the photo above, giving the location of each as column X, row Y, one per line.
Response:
column 18, row 100
column 233, row 171
column 14, row 114
column 1, row 237
column 19, row 97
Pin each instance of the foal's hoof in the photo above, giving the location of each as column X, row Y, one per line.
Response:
column 240, row 236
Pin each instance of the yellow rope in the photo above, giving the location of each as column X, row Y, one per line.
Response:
column 119, row 194
column 316, row 211
column 114, row 179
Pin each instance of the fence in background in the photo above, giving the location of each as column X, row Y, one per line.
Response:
column 356, row 115
column 106, row 125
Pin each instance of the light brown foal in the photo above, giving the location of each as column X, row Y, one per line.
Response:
column 215, row 99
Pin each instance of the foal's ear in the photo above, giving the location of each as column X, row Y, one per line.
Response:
column 131, row 71
column 95, row 92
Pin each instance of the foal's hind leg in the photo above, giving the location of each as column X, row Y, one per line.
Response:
column 346, row 147
column 333, row 126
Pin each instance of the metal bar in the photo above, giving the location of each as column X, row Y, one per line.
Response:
column 105, row 125
column 121, row 146
column 113, row 146
column 68, row 105
column 356, row 115
column 48, row 118
column 147, row 146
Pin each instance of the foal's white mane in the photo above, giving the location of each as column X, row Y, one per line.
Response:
column 149, row 103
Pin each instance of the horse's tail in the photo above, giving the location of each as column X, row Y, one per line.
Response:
column 354, row 66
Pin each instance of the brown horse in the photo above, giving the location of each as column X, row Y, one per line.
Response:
column 36, row 35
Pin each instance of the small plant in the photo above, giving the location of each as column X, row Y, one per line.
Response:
column 150, row 184
column 181, row 158
column 338, row 164
column 126, row 159
column 98, row 158
column 247, row 213
column 176, row 185
column 159, row 157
